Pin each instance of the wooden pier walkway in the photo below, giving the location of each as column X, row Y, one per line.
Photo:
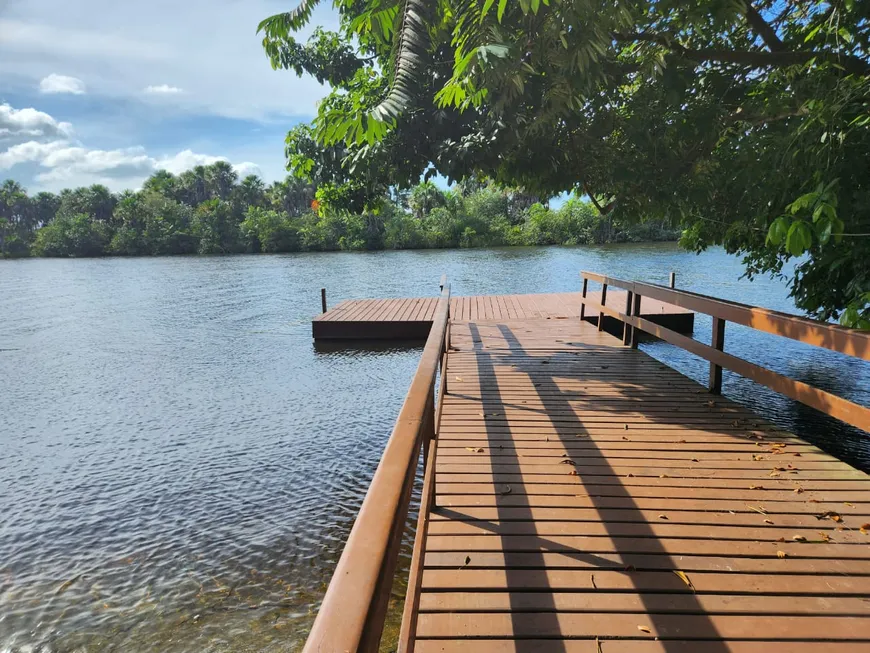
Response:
column 411, row 318
column 581, row 497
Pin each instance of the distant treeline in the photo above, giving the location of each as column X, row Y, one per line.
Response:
column 207, row 210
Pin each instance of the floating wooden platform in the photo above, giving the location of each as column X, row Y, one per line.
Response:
column 411, row 318
column 590, row 499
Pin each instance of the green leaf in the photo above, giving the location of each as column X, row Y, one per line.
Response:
column 502, row 4
column 778, row 229
column 799, row 238
column 486, row 7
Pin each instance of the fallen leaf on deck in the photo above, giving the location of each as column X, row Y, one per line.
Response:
column 467, row 561
column 682, row 442
column 768, row 521
column 846, row 503
column 567, row 461
column 756, row 487
column 782, row 539
column 663, row 516
column 573, row 472
column 799, row 538
column 598, row 644
column 833, row 516
column 825, row 536
column 663, row 476
column 695, row 460
column 685, row 579
column 865, row 528
column 799, row 490
column 593, row 582
column 507, row 490
column 475, row 449
column 459, row 378
column 781, row 554
column 644, row 629
column 626, row 427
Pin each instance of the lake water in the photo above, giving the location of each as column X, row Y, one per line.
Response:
column 180, row 465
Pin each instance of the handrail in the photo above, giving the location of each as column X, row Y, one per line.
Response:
column 851, row 342
column 352, row 614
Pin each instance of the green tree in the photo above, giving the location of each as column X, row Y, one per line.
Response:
column 745, row 121
column 76, row 235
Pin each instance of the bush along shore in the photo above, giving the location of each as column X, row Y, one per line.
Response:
column 208, row 210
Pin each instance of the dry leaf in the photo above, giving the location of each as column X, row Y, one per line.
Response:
column 767, row 521
column 475, row 449
column 507, row 490
column 760, row 509
column 567, row 461
column 593, row 582
column 865, row 528
column 781, row 554
column 799, row 538
column 663, row 476
column 467, row 561
column 685, row 579
column 756, row 487
column 573, row 472
column 846, row 503
column 833, row 516
column 626, row 427
column 825, row 536
column 799, row 490
column 663, row 516
column 459, row 378
column 695, row 460
column 644, row 629
column 598, row 644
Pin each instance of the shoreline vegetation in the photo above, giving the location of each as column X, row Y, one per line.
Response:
column 208, row 210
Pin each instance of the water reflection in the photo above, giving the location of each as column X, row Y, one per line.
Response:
column 181, row 465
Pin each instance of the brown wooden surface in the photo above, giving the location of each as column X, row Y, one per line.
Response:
column 410, row 318
column 574, row 476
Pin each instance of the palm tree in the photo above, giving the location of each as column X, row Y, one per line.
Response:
column 220, row 179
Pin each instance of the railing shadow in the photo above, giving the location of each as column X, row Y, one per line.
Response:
column 569, row 424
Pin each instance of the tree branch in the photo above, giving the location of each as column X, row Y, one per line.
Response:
column 763, row 29
column 752, row 58
column 603, row 210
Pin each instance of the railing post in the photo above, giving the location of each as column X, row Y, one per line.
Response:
column 603, row 301
column 323, row 299
column 635, row 312
column 718, row 343
column 673, row 280
column 583, row 303
column 626, row 327
column 427, row 430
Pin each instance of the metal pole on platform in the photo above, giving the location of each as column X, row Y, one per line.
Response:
column 673, row 281
column 323, row 299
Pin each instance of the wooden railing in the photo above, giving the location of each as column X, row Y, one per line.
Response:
column 352, row 615
column 851, row 342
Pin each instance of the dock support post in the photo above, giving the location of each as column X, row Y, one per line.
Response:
column 635, row 312
column 583, row 301
column 673, row 280
column 718, row 343
column 626, row 327
column 323, row 299
column 603, row 301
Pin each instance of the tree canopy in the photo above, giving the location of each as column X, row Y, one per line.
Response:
column 746, row 122
column 208, row 210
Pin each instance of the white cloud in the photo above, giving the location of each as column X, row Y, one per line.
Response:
column 62, row 84
column 26, row 124
column 210, row 49
column 64, row 162
column 164, row 89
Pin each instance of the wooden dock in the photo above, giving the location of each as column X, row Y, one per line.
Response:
column 411, row 318
column 581, row 497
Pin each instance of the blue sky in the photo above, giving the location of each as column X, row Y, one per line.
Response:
column 100, row 91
